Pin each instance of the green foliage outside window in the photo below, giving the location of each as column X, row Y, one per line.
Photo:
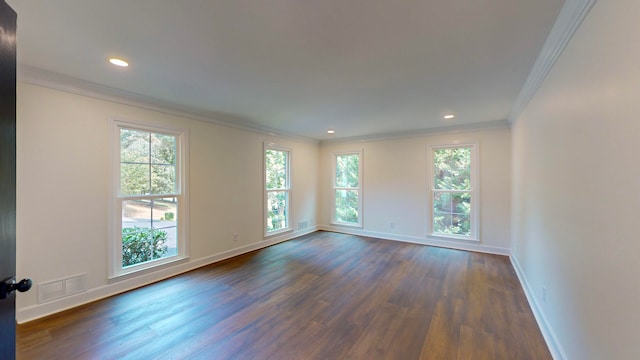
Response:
column 147, row 163
column 276, row 168
column 348, row 171
column 452, row 186
column 347, row 178
column 347, row 206
column 277, row 210
column 142, row 244
column 147, row 169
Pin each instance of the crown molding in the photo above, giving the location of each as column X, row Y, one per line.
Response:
column 569, row 19
column 478, row 126
column 44, row 78
column 40, row 77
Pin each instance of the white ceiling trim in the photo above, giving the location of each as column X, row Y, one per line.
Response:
column 35, row 76
column 486, row 125
column 39, row 77
column 571, row 16
column 569, row 19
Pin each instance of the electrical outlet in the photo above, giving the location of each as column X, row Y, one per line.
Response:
column 392, row 225
column 235, row 236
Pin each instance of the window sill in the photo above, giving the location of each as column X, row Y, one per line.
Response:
column 344, row 224
column 452, row 237
column 146, row 268
column 277, row 232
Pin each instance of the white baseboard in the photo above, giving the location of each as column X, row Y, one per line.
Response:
column 547, row 332
column 40, row 310
column 451, row 244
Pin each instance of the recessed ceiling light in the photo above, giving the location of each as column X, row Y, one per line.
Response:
column 118, row 62
column 331, row 131
column 449, row 116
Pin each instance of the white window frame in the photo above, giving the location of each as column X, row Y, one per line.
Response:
column 115, row 224
column 474, row 191
column 272, row 146
column 336, row 188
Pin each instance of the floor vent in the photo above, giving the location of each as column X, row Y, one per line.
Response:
column 56, row 289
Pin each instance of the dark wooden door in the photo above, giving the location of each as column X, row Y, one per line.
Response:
column 7, row 177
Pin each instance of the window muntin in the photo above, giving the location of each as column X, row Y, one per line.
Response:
column 277, row 189
column 149, row 197
column 347, row 209
column 147, row 163
column 453, row 191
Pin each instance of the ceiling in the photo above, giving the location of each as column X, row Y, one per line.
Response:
column 301, row 67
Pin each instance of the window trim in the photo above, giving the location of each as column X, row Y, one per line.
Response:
column 114, row 261
column 335, row 188
column 475, row 190
column 271, row 146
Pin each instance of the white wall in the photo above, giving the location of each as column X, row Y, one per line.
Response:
column 576, row 189
column 63, row 190
column 395, row 187
column 63, row 183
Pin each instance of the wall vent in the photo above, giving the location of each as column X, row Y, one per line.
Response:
column 303, row 225
column 60, row 288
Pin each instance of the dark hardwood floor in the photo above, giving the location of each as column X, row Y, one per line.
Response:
column 321, row 296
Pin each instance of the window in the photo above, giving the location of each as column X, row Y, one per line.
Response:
column 150, row 197
column 453, row 198
column 347, row 185
column 277, row 189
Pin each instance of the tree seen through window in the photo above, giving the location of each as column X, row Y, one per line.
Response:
column 452, row 191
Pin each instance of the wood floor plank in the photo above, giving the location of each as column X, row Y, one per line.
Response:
column 321, row 296
column 443, row 337
column 375, row 343
column 475, row 344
